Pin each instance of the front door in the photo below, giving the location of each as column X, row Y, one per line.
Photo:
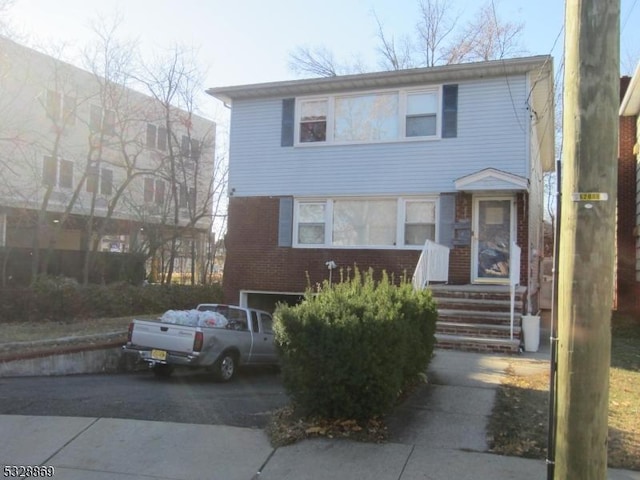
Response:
column 493, row 232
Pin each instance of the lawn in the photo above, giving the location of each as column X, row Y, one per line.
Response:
column 518, row 425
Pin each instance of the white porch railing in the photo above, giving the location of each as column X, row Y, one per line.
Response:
column 433, row 265
column 514, row 278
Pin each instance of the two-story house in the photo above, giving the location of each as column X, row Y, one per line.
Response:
column 90, row 164
column 372, row 169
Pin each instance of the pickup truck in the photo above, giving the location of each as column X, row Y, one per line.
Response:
column 239, row 336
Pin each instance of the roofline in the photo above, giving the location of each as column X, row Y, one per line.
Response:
column 630, row 104
column 414, row 76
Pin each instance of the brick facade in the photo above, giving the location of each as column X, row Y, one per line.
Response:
column 627, row 291
column 254, row 260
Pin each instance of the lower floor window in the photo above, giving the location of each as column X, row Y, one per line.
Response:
column 372, row 222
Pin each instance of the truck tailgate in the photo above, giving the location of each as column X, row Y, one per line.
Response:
column 163, row 336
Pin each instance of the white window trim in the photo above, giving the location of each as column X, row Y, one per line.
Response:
column 402, row 115
column 328, row 230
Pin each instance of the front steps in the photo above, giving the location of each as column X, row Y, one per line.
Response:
column 477, row 318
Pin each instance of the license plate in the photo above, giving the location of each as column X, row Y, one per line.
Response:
column 158, row 355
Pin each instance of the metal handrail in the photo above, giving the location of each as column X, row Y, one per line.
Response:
column 514, row 278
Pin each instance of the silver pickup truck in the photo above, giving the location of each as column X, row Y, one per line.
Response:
column 232, row 337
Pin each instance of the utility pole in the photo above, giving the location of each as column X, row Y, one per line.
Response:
column 590, row 135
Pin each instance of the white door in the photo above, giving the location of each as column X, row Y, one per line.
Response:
column 493, row 232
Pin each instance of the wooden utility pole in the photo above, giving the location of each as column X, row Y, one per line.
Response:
column 590, row 136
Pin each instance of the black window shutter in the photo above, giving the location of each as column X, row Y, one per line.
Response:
column 447, row 219
column 449, row 111
column 288, row 115
column 285, row 222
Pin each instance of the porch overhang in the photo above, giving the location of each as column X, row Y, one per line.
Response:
column 492, row 179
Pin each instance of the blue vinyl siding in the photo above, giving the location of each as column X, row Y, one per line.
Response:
column 491, row 132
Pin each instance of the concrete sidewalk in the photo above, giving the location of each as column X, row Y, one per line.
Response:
column 438, row 434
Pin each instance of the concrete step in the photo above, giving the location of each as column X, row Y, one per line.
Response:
column 475, row 344
column 480, row 292
column 477, row 330
column 476, row 316
column 455, row 303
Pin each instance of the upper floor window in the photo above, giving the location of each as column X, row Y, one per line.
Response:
column 100, row 177
column 370, row 117
column 102, row 120
column 313, row 120
column 421, row 118
column 57, row 172
column 365, row 222
column 60, row 107
column 154, row 190
column 156, row 137
column 190, row 147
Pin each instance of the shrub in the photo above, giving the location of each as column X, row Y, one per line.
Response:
column 60, row 299
column 349, row 350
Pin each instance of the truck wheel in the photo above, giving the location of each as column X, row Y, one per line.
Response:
column 225, row 367
column 162, row 370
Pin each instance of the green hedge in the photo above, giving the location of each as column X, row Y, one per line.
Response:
column 349, row 350
column 62, row 299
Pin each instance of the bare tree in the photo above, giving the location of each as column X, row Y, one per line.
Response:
column 313, row 60
column 440, row 40
column 394, row 56
column 175, row 82
column 436, row 24
column 486, row 37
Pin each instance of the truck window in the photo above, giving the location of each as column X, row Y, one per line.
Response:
column 267, row 323
column 237, row 319
column 254, row 321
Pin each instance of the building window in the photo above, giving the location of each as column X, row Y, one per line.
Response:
column 369, row 117
column 365, row 223
column 421, row 118
column 57, row 172
column 60, row 107
column 366, row 118
column 105, row 178
column 162, row 139
column 159, row 192
column 149, row 188
column 106, row 181
column 156, row 137
column 151, row 135
column 419, row 222
column 311, row 223
column 313, row 121
column 102, row 120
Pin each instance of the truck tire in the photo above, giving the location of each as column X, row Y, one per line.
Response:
column 162, row 371
column 225, row 368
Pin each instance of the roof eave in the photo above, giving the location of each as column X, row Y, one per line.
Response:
column 325, row 85
column 630, row 104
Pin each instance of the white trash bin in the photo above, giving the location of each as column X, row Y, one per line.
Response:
column 531, row 328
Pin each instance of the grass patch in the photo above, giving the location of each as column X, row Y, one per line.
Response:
column 519, row 421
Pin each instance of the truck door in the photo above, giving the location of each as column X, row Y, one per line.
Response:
column 263, row 347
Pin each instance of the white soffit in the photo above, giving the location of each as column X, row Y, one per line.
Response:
column 491, row 179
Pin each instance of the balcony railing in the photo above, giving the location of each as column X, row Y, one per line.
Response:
column 433, row 265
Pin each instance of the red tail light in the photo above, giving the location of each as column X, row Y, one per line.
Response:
column 197, row 342
column 130, row 333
